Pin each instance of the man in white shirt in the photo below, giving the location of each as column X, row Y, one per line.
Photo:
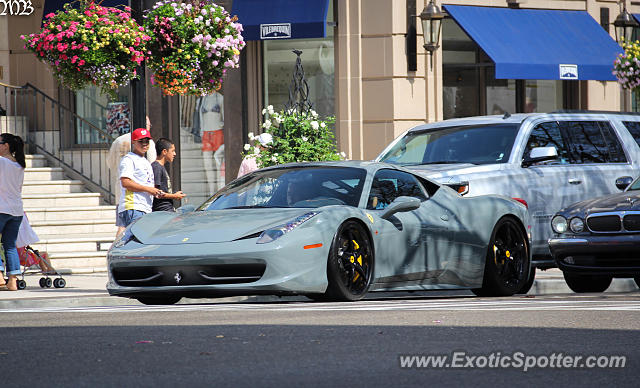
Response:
column 136, row 181
column 119, row 148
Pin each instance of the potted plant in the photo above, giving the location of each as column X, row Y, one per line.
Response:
column 90, row 45
column 193, row 44
column 297, row 137
column 627, row 66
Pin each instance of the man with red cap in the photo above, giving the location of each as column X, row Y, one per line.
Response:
column 136, row 181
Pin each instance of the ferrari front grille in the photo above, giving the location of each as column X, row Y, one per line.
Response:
column 159, row 276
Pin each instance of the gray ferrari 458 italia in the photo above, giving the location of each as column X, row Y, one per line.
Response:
column 330, row 231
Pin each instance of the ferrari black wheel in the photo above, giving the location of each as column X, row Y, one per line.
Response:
column 506, row 270
column 159, row 300
column 587, row 283
column 350, row 266
column 529, row 283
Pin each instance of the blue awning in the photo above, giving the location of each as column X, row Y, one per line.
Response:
column 540, row 44
column 282, row 19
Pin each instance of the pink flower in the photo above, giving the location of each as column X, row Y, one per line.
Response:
column 50, row 15
column 81, row 62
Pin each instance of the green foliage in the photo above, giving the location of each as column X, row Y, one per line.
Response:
column 297, row 137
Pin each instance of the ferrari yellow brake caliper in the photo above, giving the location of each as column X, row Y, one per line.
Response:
column 352, row 259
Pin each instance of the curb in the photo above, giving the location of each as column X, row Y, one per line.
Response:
column 559, row 286
column 540, row 287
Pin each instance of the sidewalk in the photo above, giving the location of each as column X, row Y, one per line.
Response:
column 84, row 290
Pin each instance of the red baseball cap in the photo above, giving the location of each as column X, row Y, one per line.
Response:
column 140, row 133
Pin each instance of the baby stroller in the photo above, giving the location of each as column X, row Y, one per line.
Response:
column 33, row 261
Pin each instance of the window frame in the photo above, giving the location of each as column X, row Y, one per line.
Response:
column 416, row 180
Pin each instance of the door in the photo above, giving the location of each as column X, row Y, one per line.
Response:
column 551, row 185
column 596, row 149
column 415, row 243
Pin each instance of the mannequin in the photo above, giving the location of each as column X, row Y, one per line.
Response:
column 211, row 109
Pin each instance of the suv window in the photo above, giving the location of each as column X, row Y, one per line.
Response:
column 475, row 144
column 634, row 129
column 593, row 142
column 548, row 135
column 388, row 185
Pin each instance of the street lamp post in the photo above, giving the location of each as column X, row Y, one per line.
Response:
column 431, row 18
column 625, row 24
column 138, row 111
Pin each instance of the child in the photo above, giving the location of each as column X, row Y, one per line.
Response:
column 166, row 152
column 26, row 237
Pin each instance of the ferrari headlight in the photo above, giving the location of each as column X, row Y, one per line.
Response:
column 276, row 232
column 125, row 237
column 576, row 225
column 559, row 224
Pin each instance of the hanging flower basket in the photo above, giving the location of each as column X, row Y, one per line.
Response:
column 627, row 66
column 90, row 45
column 193, row 44
column 297, row 137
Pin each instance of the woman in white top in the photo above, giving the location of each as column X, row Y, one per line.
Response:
column 11, row 177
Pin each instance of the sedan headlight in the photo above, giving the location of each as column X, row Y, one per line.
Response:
column 576, row 225
column 276, row 232
column 559, row 224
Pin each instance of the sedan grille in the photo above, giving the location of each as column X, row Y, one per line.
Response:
column 631, row 222
column 604, row 223
column 614, row 222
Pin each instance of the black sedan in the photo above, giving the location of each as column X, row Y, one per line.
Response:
column 598, row 239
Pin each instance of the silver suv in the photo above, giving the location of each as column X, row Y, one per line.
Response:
column 545, row 160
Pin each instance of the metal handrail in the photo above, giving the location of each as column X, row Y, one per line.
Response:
column 45, row 125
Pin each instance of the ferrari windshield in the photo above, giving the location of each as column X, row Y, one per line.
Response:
column 476, row 144
column 307, row 187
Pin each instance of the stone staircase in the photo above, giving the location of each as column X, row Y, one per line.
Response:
column 74, row 228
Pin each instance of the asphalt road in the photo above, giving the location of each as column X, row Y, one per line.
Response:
column 322, row 344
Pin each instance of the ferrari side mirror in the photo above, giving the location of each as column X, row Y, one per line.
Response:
column 401, row 204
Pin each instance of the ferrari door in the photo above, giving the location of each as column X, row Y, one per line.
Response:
column 413, row 243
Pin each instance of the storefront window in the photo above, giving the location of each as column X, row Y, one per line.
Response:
column 110, row 117
column 501, row 94
column 317, row 61
column 542, row 96
column 201, row 151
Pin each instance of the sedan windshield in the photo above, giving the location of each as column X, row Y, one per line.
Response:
column 477, row 144
column 635, row 186
column 308, row 187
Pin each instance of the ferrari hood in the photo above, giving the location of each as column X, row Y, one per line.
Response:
column 214, row 226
